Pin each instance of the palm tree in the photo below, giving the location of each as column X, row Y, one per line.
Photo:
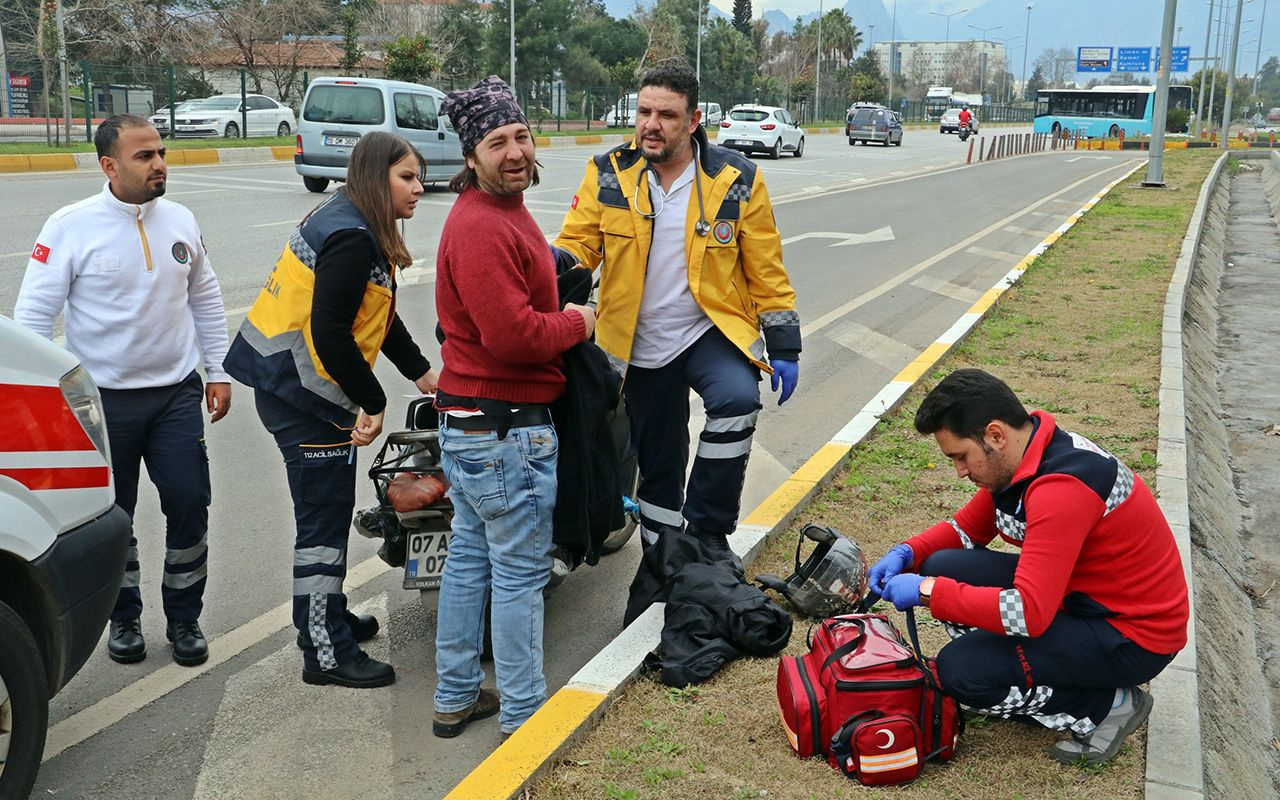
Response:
column 839, row 36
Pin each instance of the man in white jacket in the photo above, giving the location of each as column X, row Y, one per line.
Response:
column 142, row 308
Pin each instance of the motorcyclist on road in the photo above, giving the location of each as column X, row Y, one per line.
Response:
column 966, row 117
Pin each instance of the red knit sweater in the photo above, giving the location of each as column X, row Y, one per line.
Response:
column 496, row 300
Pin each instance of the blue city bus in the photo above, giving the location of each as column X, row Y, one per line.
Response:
column 1103, row 110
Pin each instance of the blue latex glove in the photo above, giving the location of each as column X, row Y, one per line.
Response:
column 904, row 590
column 895, row 561
column 786, row 372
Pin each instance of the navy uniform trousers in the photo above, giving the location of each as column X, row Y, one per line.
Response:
column 163, row 426
column 323, row 486
column 1065, row 678
column 658, row 407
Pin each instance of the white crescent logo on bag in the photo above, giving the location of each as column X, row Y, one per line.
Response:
column 888, row 733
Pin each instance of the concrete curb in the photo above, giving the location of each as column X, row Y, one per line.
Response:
column 1175, row 768
column 62, row 162
column 570, row 713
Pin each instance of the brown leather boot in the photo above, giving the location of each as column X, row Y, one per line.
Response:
column 449, row 725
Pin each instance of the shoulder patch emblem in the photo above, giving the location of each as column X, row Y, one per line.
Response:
column 180, row 253
column 574, row 205
column 723, row 232
column 40, row 253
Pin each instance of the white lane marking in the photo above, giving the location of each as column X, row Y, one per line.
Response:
column 23, row 253
column 998, row 255
column 274, row 224
column 964, row 294
column 267, row 703
column 297, row 184
column 883, row 234
column 198, row 191
column 185, row 181
column 111, row 709
column 906, row 275
column 885, row 351
column 1091, row 158
column 1023, row 231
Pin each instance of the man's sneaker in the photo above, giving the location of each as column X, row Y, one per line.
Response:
column 189, row 646
column 560, row 570
column 1106, row 739
column 362, row 673
column 125, row 645
column 449, row 725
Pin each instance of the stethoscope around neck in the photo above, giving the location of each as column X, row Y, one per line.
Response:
column 701, row 227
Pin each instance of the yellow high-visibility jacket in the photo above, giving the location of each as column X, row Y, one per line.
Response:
column 735, row 271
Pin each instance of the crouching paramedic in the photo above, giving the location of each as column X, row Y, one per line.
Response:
column 1094, row 603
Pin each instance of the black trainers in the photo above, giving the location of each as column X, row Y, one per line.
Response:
column 1105, row 741
column 125, row 645
column 363, row 673
column 449, row 725
column 189, row 646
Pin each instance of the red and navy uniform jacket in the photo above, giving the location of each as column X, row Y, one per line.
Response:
column 1094, row 543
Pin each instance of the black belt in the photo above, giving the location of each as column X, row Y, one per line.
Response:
column 523, row 418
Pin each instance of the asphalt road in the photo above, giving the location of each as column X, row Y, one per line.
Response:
column 886, row 248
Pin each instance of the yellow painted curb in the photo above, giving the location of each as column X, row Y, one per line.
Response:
column 14, row 164
column 589, row 139
column 51, row 161
column 533, row 745
column 283, row 152
column 542, row 141
column 193, row 157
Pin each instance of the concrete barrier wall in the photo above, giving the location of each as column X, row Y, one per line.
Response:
column 1235, row 708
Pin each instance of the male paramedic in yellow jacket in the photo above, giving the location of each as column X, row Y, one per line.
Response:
column 692, row 295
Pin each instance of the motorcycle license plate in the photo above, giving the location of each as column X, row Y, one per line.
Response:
column 424, row 562
column 341, row 141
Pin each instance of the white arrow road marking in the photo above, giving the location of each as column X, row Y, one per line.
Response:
column 884, row 234
column 286, row 739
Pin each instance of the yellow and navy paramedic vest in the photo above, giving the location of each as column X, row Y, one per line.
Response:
column 273, row 350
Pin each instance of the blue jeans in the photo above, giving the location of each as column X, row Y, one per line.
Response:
column 504, row 495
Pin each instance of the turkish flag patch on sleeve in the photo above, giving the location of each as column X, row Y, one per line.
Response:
column 574, row 204
column 40, row 253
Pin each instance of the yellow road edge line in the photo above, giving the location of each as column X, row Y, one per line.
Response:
column 531, row 747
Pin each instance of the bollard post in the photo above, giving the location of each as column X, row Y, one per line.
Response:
column 991, row 153
column 969, row 158
column 1026, row 143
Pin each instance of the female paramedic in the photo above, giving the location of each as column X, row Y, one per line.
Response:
column 307, row 348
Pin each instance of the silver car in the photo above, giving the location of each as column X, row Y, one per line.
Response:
column 950, row 121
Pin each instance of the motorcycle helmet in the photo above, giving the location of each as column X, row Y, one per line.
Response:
column 830, row 582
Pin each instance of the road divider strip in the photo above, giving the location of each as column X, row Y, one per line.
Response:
column 570, row 712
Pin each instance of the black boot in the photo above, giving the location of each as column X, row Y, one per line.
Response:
column 363, row 627
column 125, row 644
column 189, row 646
column 363, row 673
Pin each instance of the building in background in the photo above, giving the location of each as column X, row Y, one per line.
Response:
column 941, row 63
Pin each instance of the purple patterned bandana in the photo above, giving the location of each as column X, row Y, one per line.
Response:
column 482, row 108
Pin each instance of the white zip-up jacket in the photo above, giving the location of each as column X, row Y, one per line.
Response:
column 139, row 297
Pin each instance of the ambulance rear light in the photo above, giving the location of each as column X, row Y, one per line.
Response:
column 82, row 396
column 298, row 150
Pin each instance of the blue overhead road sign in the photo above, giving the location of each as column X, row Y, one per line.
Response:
column 1133, row 59
column 1181, row 59
column 1093, row 59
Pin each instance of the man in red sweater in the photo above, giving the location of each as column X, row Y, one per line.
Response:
column 1093, row 605
column 497, row 303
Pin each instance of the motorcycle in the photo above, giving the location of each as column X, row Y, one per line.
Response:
column 965, row 130
column 413, row 514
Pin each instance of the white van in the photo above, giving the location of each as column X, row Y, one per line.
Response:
column 623, row 112
column 336, row 112
column 63, row 540
column 712, row 116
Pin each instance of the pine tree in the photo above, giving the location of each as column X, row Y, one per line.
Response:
column 742, row 16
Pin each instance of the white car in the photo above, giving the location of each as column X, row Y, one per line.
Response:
column 223, row 115
column 63, row 540
column 160, row 119
column 762, row 129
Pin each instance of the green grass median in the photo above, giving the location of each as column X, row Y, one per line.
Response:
column 1079, row 336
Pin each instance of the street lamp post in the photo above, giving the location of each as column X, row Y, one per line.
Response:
column 698, row 68
column 1026, row 47
column 947, row 57
column 1005, row 69
column 1257, row 59
column 1208, row 31
column 1231, row 77
column 893, row 49
column 817, row 69
column 1217, row 48
column 512, row 12
column 982, row 75
column 1155, row 161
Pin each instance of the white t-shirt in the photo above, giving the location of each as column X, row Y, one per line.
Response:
column 135, row 287
column 670, row 319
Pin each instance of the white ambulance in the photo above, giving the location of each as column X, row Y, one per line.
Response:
column 63, row 540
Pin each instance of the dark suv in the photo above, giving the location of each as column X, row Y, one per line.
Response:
column 873, row 123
